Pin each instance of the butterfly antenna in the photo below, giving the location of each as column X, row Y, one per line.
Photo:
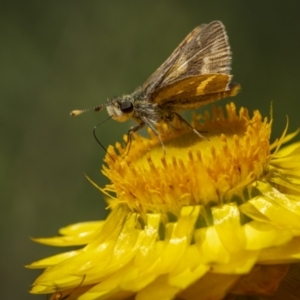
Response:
column 78, row 112
column 96, row 138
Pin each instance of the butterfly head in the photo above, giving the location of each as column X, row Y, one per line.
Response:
column 121, row 108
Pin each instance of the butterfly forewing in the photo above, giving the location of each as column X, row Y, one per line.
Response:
column 204, row 51
column 158, row 76
column 207, row 53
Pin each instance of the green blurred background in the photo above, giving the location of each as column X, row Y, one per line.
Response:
column 56, row 56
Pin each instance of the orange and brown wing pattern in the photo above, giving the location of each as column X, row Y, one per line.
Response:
column 204, row 51
column 196, row 91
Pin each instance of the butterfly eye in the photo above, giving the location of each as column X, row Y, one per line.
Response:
column 126, row 107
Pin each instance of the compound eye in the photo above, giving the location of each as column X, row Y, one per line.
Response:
column 126, row 107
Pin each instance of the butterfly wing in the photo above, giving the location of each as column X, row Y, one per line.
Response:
column 199, row 66
column 196, row 91
column 158, row 77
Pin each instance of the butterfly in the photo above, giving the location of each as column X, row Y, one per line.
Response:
column 195, row 74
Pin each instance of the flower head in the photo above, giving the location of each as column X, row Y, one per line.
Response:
column 209, row 217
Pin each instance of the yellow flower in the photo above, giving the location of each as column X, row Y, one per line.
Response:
column 210, row 217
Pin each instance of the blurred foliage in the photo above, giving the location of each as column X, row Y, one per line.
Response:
column 56, row 56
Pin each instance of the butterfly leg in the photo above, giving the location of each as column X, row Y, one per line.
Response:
column 156, row 133
column 130, row 132
column 189, row 125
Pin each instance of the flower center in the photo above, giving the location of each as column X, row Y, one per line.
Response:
column 193, row 171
